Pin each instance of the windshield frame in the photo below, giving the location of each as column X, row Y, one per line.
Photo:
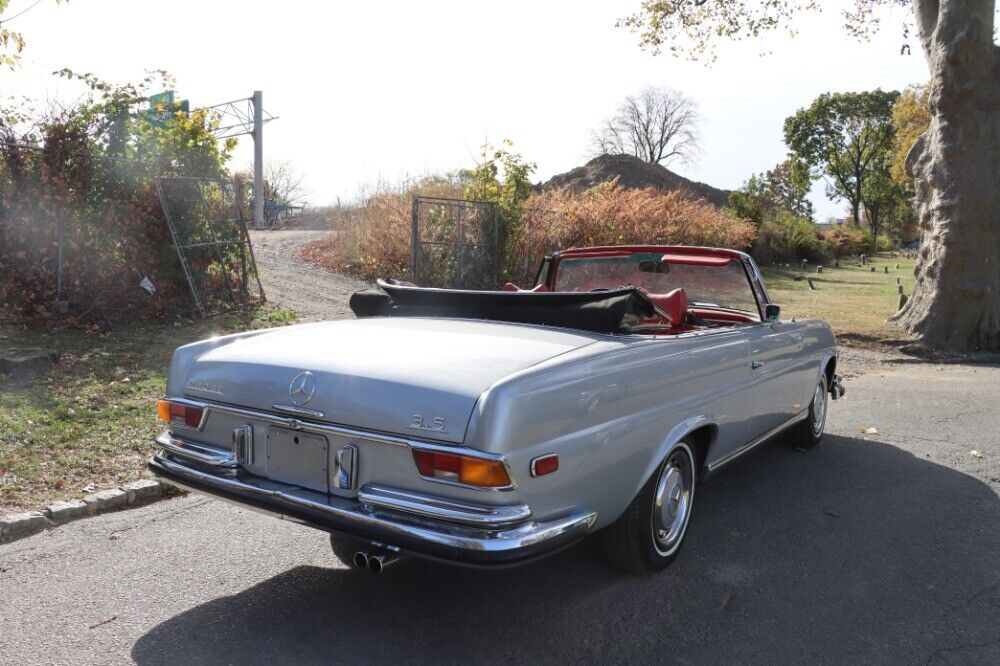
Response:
column 549, row 270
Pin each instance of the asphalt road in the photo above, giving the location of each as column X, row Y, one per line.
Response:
column 871, row 548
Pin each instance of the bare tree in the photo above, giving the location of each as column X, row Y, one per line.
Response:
column 282, row 184
column 659, row 125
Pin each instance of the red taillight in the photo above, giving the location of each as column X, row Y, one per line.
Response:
column 544, row 465
column 179, row 412
column 461, row 469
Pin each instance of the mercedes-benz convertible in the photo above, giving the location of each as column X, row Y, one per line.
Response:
column 492, row 428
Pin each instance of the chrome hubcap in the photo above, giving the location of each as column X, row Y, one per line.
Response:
column 672, row 501
column 819, row 408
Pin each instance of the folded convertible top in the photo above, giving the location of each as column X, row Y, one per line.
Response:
column 599, row 311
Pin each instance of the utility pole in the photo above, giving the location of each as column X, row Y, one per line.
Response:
column 258, row 159
column 242, row 117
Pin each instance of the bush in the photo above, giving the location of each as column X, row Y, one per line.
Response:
column 611, row 215
column 86, row 176
column 788, row 238
column 377, row 241
column 373, row 241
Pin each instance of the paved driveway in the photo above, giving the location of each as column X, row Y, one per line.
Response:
column 871, row 548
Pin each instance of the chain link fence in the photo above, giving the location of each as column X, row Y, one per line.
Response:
column 209, row 233
column 455, row 243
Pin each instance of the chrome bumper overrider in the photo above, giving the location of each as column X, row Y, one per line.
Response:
column 437, row 528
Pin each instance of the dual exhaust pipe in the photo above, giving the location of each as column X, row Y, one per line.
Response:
column 374, row 562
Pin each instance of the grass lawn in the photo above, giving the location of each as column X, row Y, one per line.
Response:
column 853, row 300
column 88, row 424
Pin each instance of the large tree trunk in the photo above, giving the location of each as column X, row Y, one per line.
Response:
column 956, row 166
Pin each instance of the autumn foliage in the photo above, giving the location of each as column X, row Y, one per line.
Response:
column 83, row 180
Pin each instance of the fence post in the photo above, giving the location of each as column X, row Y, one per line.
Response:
column 496, row 246
column 414, row 239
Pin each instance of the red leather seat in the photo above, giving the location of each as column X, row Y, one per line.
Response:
column 674, row 304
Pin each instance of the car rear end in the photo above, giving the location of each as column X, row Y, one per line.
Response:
column 299, row 424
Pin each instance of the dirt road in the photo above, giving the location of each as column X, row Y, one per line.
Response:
column 292, row 283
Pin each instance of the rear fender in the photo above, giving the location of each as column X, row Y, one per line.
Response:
column 677, row 434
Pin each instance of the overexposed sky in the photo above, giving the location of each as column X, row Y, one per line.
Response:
column 379, row 90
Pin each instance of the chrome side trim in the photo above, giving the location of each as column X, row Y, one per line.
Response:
column 736, row 453
column 441, row 508
column 203, row 455
column 473, row 546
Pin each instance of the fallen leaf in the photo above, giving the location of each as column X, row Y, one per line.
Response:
column 829, row 512
column 727, row 603
column 975, row 454
column 869, row 431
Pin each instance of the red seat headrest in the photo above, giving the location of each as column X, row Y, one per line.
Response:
column 674, row 304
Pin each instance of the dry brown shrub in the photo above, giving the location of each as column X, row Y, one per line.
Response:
column 377, row 242
column 612, row 215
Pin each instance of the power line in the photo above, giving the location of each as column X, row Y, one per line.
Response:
column 22, row 12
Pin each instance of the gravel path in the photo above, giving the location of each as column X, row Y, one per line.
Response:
column 292, row 283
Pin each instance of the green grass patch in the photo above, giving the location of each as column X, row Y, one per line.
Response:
column 855, row 301
column 90, row 421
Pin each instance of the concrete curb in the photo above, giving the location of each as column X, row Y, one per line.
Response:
column 16, row 526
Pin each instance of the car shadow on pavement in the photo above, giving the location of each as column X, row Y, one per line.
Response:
column 856, row 550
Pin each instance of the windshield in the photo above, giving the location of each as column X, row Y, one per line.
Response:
column 706, row 286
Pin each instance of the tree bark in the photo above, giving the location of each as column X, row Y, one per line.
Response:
column 956, row 166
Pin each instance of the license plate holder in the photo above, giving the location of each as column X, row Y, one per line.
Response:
column 297, row 458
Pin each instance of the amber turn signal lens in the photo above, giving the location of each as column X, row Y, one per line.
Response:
column 178, row 412
column 469, row 470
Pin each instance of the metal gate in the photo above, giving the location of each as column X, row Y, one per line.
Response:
column 212, row 243
column 455, row 243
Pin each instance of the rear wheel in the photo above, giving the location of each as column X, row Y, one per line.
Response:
column 808, row 432
column 650, row 533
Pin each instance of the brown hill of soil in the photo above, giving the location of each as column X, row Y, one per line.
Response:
column 633, row 173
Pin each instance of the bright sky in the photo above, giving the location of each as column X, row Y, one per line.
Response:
column 370, row 91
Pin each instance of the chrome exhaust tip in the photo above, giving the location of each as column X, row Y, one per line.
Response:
column 376, row 563
column 361, row 559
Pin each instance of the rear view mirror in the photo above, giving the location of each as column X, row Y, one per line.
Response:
column 651, row 266
column 772, row 312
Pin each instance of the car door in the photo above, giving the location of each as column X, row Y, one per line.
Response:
column 775, row 364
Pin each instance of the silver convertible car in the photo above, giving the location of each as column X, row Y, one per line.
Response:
column 492, row 428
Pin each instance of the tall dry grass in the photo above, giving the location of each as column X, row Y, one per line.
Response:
column 376, row 243
column 611, row 215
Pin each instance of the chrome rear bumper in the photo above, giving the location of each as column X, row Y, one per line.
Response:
column 435, row 528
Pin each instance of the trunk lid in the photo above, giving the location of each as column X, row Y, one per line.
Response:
column 410, row 376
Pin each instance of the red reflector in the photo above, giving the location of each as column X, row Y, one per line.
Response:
column 544, row 465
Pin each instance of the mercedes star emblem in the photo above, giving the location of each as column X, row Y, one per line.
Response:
column 301, row 390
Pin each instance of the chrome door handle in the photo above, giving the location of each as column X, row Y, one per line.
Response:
column 758, row 364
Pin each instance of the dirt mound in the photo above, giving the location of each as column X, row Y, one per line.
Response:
column 632, row 173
